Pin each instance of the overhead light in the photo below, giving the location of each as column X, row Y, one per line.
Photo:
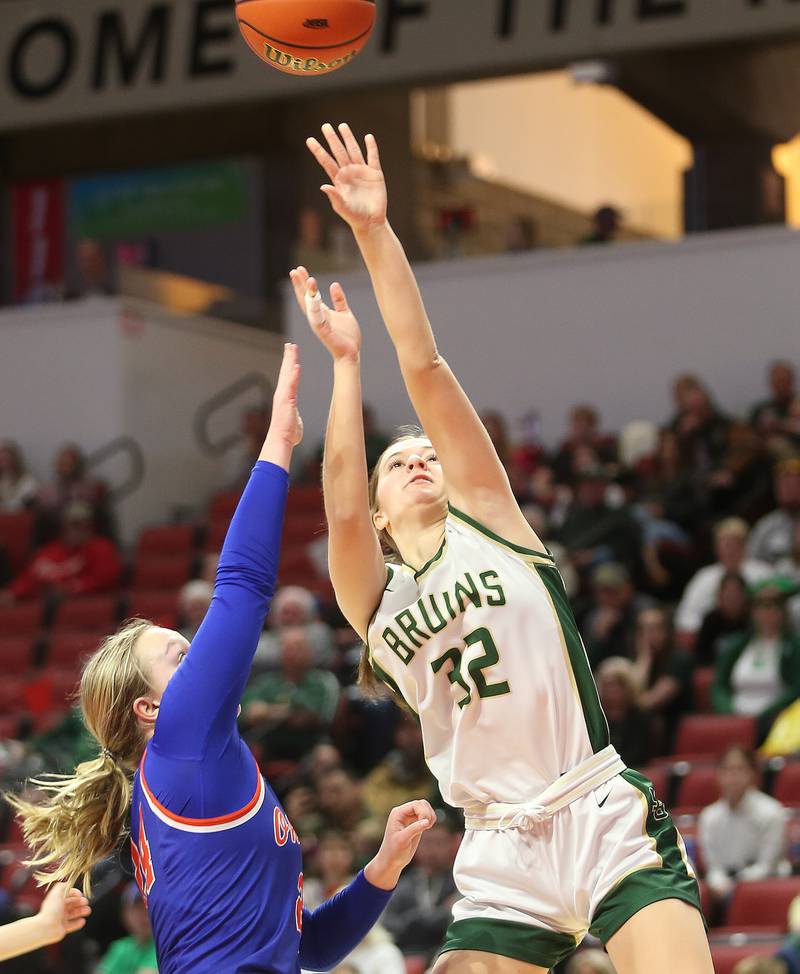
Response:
column 592, row 72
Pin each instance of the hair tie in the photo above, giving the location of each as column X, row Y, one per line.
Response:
column 107, row 754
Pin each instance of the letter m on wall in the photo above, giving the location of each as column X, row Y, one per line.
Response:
column 127, row 50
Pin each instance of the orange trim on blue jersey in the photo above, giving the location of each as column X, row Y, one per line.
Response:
column 219, row 819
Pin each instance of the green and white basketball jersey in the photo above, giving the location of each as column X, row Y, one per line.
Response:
column 482, row 644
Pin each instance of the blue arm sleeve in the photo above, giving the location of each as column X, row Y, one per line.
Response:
column 340, row 924
column 198, row 708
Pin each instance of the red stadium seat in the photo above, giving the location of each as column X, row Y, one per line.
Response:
column 707, row 735
column 159, row 607
column 727, row 955
column 64, row 681
column 300, row 530
column 305, row 499
column 787, row 784
column 9, row 726
column 223, row 505
column 69, row 649
column 16, row 654
column 702, row 680
column 763, row 904
column 296, row 568
column 659, row 774
column 166, row 539
column 11, row 691
column 215, row 535
column 161, row 572
column 15, row 536
column 92, row 613
column 697, row 789
column 21, row 620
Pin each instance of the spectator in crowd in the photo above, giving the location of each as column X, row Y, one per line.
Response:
column 522, row 234
column 628, row 724
column 591, row 962
column 375, row 439
column 340, row 800
column 79, row 563
column 402, row 775
column 376, row 954
column 67, row 744
column 497, row 428
column 789, row 567
column 287, row 712
column 136, row 953
column 242, row 457
column 71, row 484
column 664, row 672
column 758, row 672
column 609, row 629
column 95, row 278
column 595, row 532
column 18, row 487
column 789, row 952
column 772, row 536
column 673, row 482
column 295, row 606
column 701, row 428
column 605, row 225
column 730, row 541
column 583, row 435
column 783, row 391
column 193, row 602
column 730, row 615
column 334, row 864
column 740, row 484
column 420, row 910
column 742, row 836
column 312, row 247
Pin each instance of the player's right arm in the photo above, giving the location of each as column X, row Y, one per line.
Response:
column 355, row 561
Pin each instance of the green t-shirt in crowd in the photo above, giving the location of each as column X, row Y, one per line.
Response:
column 128, row 956
column 317, row 692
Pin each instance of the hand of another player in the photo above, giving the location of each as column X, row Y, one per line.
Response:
column 63, row 911
column 404, row 829
column 286, row 423
column 357, row 189
column 337, row 327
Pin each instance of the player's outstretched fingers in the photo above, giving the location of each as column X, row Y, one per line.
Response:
column 336, row 146
column 299, row 286
column 373, row 156
column 351, row 144
column 323, row 158
column 338, row 297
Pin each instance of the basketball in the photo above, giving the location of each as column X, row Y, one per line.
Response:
column 306, row 37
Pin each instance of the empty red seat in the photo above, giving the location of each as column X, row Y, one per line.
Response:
column 11, row 691
column 215, row 535
column 15, row 536
column 16, row 654
column 305, row 499
column 296, row 568
column 161, row 572
column 9, row 726
column 763, row 904
column 20, row 620
column 787, row 784
column 69, row 649
column 166, row 539
column 64, row 681
column 300, row 530
column 659, row 774
column 160, row 608
column 223, row 505
column 92, row 613
column 698, row 788
column 708, row 735
column 702, row 680
column 726, row 956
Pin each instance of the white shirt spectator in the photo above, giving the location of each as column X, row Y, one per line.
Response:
column 701, row 592
column 756, row 678
column 746, row 842
column 771, row 537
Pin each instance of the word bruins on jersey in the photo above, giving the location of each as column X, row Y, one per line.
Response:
column 430, row 614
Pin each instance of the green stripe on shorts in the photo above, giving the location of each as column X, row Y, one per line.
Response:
column 669, row 881
column 521, row 941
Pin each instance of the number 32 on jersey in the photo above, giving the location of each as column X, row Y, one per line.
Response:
column 475, row 667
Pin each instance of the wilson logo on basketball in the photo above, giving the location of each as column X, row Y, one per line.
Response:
column 316, row 23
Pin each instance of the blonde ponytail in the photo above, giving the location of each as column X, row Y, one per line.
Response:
column 82, row 817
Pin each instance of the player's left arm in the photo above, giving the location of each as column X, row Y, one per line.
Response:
column 62, row 911
column 334, row 929
column 477, row 481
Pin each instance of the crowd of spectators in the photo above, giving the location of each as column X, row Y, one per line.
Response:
column 680, row 549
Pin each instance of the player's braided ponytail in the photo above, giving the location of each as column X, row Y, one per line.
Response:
column 80, row 818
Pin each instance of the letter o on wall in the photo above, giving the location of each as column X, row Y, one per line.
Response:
column 58, row 33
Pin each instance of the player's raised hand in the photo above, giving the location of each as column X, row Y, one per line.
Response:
column 286, row 424
column 336, row 327
column 404, row 828
column 357, row 189
column 63, row 911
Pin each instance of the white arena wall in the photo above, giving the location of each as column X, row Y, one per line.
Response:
column 607, row 325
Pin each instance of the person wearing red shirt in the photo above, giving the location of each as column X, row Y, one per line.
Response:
column 78, row 563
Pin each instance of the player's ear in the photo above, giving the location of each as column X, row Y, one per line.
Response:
column 381, row 521
column 146, row 710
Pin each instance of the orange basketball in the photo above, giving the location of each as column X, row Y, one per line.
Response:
column 306, row 37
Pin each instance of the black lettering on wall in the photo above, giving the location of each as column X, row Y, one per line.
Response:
column 62, row 63
column 202, row 61
column 396, row 12
column 650, row 9
column 112, row 47
column 560, row 11
column 506, row 18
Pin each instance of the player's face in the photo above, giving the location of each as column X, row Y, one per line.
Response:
column 410, row 476
column 161, row 651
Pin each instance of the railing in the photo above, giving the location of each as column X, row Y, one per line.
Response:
column 215, row 446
